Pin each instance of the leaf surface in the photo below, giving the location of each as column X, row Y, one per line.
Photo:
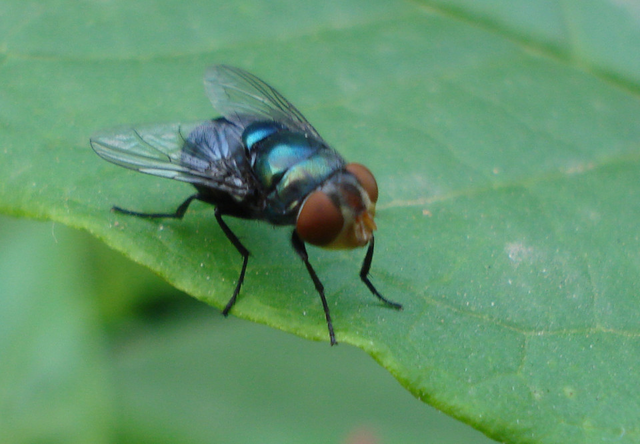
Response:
column 505, row 141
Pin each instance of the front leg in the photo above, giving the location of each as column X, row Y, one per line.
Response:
column 364, row 275
column 298, row 246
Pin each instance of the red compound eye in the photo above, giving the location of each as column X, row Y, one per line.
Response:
column 319, row 221
column 365, row 178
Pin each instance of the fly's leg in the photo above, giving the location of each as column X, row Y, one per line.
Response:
column 245, row 258
column 298, row 246
column 364, row 275
column 179, row 213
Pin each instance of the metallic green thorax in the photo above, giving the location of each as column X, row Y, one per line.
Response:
column 289, row 166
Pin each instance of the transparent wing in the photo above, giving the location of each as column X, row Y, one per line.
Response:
column 241, row 97
column 205, row 153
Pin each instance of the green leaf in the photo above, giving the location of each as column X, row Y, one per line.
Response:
column 505, row 141
column 74, row 368
column 243, row 383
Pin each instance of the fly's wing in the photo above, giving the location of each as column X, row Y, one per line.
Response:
column 241, row 97
column 211, row 155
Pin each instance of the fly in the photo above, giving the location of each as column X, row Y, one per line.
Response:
column 262, row 160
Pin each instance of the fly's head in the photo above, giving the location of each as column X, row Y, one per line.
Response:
column 340, row 213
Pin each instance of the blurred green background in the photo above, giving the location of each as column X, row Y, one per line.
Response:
column 96, row 349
